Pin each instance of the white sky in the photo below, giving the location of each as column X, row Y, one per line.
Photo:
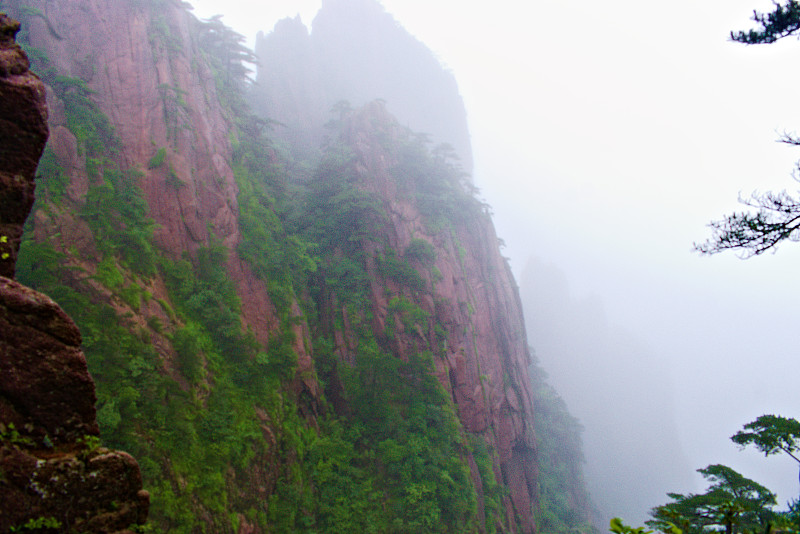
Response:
column 606, row 135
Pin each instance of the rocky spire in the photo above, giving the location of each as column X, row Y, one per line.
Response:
column 53, row 474
column 23, row 134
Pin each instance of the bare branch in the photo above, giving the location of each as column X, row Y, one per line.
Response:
column 753, row 233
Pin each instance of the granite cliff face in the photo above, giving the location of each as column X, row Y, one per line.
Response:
column 140, row 59
column 237, row 321
column 51, row 474
column 473, row 316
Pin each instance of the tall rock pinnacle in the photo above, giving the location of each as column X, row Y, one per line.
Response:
column 23, row 134
column 53, row 474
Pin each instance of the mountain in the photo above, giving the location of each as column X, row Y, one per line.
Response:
column 355, row 53
column 308, row 334
column 53, row 474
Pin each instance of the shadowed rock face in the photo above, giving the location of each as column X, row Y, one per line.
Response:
column 45, row 388
column 50, row 467
column 23, row 134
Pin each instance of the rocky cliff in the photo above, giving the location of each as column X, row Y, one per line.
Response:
column 52, row 473
column 23, row 133
column 333, row 346
column 437, row 285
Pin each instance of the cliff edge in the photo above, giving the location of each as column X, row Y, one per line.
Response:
column 53, row 474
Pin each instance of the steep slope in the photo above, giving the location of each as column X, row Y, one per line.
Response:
column 356, row 52
column 434, row 290
column 336, row 349
column 52, row 474
column 136, row 234
column 23, row 133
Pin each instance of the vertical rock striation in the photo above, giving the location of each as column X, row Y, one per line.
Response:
column 474, row 315
column 143, row 67
column 52, row 473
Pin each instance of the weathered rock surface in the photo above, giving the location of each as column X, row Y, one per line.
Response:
column 159, row 94
column 356, row 52
column 23, row 134
column 52, row 475
column 75, row 489
column 45, row 386
column 475, row 300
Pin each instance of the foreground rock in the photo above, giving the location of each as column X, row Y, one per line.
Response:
column 23, row 134
column 53, row 474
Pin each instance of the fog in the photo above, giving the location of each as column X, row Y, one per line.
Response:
column 606, row 135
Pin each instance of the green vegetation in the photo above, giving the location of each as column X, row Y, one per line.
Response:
column 51, row 177
column 782, row 22
column 205, row 405
column 399, row 270
column 733, row 503
column 421, row 251
column 158, row 158
column 10, row 434
column 38, row 524
column 564, row 501
column 771, row 434
column 442, row 191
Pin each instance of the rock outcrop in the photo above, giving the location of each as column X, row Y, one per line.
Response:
column 160, row 98
column 53, row 475
column 23, row 133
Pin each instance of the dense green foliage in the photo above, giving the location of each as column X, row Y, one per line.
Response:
column 771, row 434
column 780, row 23
column 433, row 177
column 564, row 502
column 401, row 457
column 733, row 503
column 202, row 404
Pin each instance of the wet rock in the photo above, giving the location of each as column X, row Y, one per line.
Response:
column 52, row 473
column 23, row 134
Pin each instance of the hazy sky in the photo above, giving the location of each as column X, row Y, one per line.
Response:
column 606, row 135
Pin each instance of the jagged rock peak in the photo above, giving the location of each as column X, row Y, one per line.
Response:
column 358, row 52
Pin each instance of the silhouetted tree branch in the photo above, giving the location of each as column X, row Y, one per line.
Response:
column 789, row 139
column 778, row 215
column 782, row 22
column 777, row 219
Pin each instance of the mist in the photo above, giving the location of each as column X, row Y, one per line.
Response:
column 606, row 136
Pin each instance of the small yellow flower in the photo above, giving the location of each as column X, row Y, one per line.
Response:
column 3, row 239
column 5, row 255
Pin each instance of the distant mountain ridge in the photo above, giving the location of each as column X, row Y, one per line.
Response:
column 355, row 52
